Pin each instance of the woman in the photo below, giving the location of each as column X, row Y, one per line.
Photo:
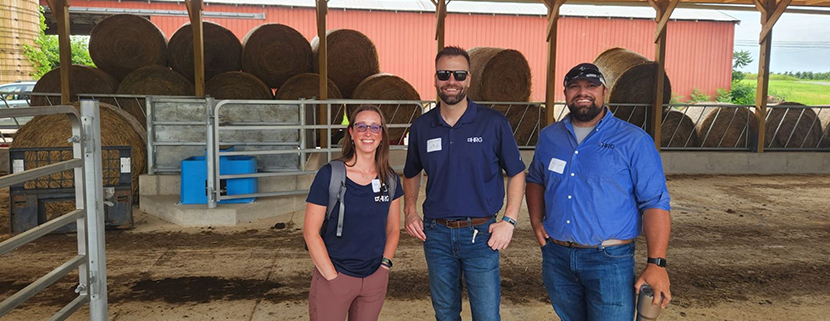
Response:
column 352, row 270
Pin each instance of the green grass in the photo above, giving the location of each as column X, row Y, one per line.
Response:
column 807, row 92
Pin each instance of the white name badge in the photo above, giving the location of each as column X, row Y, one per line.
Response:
column 557, row 165
column 376, row 185
column 434, row 145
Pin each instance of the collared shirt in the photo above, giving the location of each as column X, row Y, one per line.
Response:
column 464, row 162
column 597, row 190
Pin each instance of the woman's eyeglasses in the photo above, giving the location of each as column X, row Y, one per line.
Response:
column 444, row 75
column 362, row 127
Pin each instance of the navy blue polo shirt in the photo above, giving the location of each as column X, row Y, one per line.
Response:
column 464, row 162
column 359, row 250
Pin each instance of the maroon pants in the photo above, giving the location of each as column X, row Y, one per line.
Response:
column 360, row 298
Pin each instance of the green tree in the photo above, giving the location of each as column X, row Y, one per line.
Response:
column 45, row 54
column 741, row 58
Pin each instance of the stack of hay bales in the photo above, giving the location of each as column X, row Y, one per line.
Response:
column 83, row 80
column 678, row 130
column 123, row 43
column 390, row 87
column 223, row 51
column 352, row 57
column 630, row 80
column 152, row 80
column 118, row 128
column 792, row 127
column 723, row 125
column 503, row 75
column 238, row 85
column 307, row 86
column 274, row 53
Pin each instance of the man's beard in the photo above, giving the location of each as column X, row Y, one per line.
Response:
column 454, row 99
column 585, row 114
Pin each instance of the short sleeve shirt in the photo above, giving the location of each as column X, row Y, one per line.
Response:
column 464, row 162
column 359, row 250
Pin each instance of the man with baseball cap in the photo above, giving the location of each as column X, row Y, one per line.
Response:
column 595, row 183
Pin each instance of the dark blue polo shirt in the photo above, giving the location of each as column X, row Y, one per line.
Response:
column 359, row 251
column 464, row 162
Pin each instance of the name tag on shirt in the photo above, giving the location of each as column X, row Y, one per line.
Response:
column 557, row 165
column 376, row 185
column 434, row 145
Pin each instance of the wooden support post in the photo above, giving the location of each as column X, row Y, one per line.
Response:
column 322, row 57
column 664, row 10
column 60, row 10
column 440, row 17
column 550, row 88
column 194, row 11
column 770, row 12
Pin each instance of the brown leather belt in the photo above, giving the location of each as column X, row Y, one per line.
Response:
column 604, row 244
column 463, row 223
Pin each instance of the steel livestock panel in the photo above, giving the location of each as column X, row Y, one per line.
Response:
column 698, row 55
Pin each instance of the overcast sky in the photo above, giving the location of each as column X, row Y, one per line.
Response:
column 800, row 42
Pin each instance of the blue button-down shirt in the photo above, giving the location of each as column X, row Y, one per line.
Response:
column 464, row 162
column 597, row 190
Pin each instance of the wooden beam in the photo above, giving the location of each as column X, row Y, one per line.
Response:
column 761, row 6
column 762, row 89
column 550, row 88
column 664, row 20
column 664, row 9
column 440, row 27
column 194, row 11
column 322, row 60
column 779, row 10
column 60, row 10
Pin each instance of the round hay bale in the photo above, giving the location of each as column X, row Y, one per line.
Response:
column 83, row 80
column 118, row 128
column 792, row 127
column 390, row 87
column 823, row 115
column 275, row 53
column 498, row 75
column 524, row 121
column 677, row 130
column 122, row 43
column 723, row 126
column 630, row 80
column 223, row 51
column 151, row 80
column 238, row 85
column 352, row 57
column 307, row 86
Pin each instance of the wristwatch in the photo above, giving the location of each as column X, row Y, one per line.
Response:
column 387, row 262
column 509, row 220
column 658, row 261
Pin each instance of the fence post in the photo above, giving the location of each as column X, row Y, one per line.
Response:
column 96, row 255
column 210, row 153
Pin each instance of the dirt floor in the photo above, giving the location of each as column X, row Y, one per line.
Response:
column 742, row 248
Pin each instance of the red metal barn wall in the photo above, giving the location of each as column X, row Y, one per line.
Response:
column 698, row 55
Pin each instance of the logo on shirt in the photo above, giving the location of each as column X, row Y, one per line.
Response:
column 606, row 145
column 475, row 139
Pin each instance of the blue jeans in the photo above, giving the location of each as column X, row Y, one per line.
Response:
column 451, row 253
column 590, row 284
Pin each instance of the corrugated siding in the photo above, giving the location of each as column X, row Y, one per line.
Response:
column 699, row 53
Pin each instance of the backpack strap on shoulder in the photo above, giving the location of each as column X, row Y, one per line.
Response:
column 391, row 185
column 337, row 192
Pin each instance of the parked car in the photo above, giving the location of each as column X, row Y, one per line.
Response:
column 14, row 95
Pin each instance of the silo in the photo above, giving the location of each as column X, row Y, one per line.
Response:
column 21, row 19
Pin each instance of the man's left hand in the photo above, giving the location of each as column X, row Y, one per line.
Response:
column 658, row 279
column 500, row 235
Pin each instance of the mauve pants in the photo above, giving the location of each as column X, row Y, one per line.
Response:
column 360, row 298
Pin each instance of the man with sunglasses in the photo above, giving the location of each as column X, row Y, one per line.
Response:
column 594, row 183
column 463, row 148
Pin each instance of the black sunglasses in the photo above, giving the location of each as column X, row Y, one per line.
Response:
column 444, row 75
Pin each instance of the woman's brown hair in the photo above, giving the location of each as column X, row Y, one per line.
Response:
column 381, row 153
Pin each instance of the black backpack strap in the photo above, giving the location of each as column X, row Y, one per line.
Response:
column 337, row 192
column 392, row 185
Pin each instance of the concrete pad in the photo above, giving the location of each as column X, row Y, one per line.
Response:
column 167, row 207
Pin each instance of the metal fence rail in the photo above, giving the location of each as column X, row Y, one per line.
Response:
column 91, row 259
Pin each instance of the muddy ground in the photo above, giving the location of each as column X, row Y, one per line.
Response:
column 742, row 248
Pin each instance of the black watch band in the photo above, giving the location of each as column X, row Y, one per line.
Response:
column 658, row 261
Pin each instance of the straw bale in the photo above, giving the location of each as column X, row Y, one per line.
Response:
column 238, row 85
column 152, row 80
column 678, row 130
column 223, row 51
column 630, row 80
column 122, row 43
column 823, row 115
column 83, row 80
column 352, row 57
column 792, row 127
column 118, row 128
column 390, row 87
column 722, row 125
column 307, row 86
column 498, row 75
column 524, row 121
column 275, row 52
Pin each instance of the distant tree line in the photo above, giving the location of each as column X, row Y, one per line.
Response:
column 808, row 75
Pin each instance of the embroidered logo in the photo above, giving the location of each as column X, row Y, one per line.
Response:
column 475, row 139
column 606, row 145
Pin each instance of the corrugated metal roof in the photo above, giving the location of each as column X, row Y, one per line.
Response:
column 478, row 7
